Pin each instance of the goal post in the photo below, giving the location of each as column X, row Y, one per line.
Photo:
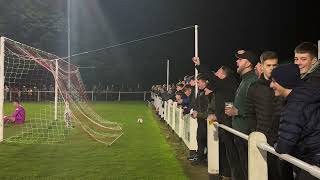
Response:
column 1, row 86
column 24, row 73
column 56, row 90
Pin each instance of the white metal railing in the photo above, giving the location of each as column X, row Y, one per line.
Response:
column 183, row 125
column 186, row 127
column 40, row 95
column 256, row 158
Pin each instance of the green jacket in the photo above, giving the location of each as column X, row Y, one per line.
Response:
column 239, row 122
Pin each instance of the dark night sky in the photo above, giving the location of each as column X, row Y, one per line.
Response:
column 225, row 26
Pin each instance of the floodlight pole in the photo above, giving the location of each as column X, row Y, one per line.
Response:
column 1, row 86
column 168, row 73
column 56, row 77
column 196, row 55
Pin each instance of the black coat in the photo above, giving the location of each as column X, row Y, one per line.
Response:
column 263, row 109
column 313, row 78
column 299, row 130
column 224, row 91
column 201, row 106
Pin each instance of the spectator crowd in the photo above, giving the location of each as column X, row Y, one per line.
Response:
column 280, row 101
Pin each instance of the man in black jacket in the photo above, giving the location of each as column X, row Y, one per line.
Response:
column 263, row 109
column 299, row 129
column 224, row 88
column 200, row 112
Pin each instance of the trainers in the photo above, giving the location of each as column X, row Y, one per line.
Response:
column 191, row 157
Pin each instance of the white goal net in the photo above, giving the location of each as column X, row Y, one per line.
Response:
column 30, row 74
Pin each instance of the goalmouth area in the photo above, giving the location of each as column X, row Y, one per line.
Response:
column 141, row 153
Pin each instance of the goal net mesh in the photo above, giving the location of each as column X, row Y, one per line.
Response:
column 54, row 107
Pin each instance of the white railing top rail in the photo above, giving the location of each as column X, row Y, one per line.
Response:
column 233, row 131
column 313, row 170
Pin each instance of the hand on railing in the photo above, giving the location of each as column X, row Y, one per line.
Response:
column 194, row 114
column 211, row 118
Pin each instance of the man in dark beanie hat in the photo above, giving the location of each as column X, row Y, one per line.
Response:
column 285, row 78
column 299, row 129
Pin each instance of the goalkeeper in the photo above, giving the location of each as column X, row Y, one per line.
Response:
column 17, row 117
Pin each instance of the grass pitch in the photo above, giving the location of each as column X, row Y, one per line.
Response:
column 141, row 153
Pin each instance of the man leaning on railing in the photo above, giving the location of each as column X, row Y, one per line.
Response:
column 224, row 88
column 299, row 129
column 263, row 114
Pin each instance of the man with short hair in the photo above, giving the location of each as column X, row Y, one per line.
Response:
column 17, row 117
column 263, row 109
column 306, row 57
column 299, row 129
column 225, row 86
column 179, row 86
column 246, row 60
column 192, row 97
column 192, row 81
column 200, row 112
column 179, row 97
column 186, row 99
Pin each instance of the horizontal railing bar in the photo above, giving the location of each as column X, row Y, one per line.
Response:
column 235, row 132
column 314, row 170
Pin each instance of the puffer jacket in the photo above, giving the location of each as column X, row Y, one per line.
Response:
column 263, row 109
column 299, row 130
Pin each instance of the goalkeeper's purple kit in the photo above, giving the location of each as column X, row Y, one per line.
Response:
column 19, row 115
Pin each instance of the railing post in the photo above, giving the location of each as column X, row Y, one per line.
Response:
column 180, row 122
column 119, row 97
column 160, row 109
column 174, row 115
column 165, row 111
column 92, row 96
column 106, row 95
column 169, row 112
column 38, row 96
column 213, row 150
column 144, row 96
column 176, row 120
column 193, row 134
column 257, row 159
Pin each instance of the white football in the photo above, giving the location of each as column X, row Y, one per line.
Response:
column 140, row 120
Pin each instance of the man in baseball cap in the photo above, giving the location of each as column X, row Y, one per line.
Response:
column 246, row 60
